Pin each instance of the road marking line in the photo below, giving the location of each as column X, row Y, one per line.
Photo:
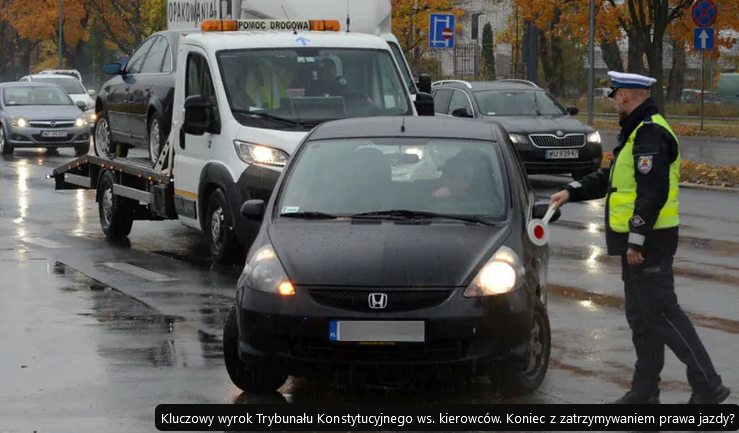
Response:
column 139, row 272
column 43, row 242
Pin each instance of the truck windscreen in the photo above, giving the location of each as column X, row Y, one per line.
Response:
column 311, row 85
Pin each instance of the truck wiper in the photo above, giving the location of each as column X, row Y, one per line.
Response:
column 412, row 214
column 309, row 215
column 265, row 115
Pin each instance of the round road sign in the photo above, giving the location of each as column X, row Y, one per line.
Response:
column 447, row 33
column 704, row 13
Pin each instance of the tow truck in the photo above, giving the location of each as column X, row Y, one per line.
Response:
column 223, row 151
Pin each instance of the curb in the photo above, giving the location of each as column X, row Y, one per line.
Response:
column 698, row 186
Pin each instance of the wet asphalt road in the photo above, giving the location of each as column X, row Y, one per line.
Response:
column 95, row 336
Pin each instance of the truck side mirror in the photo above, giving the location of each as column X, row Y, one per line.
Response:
column 253, row 209
column 113, row 68
column 424, row 104
column 424, row 83
column 198, row 115
column 573, row 111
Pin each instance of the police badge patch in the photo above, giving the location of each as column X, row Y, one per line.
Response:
column 645, row 164
column 637, row 221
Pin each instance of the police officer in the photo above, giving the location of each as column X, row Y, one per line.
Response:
column 641, row 191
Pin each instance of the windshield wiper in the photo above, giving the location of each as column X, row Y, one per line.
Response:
column 411, row 214
column 265, row 115
column 309, row 215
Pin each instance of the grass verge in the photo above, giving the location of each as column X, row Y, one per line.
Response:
column 700, row 174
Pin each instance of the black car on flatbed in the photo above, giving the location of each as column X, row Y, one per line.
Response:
column 548, row 138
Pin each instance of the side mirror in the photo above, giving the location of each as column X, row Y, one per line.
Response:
column 424, row 104
column 82, row 105
column 198, row 115
column 113, row 68
column 574, row 111
column 253, row 209
column 461, row 112
column 540, row 211
column 424, row 83
column 90, row 92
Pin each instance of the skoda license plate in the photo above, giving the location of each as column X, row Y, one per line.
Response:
column 562, row 154
column 53, row 134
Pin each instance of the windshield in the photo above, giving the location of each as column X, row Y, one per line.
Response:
column 444, row 176
column 311, row 85
column 29, row 95
column 518, row 103
column 71, row 86
column 400, row 58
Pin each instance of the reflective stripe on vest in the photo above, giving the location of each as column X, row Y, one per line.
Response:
column 622, row 200
column 269, row 94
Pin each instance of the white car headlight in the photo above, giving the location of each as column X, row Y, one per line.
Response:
column 19, row 122
column 264, row 272
column 81, row 121
column 252, row 153
column 594, row 137
column 503, row 273
column 518, row 138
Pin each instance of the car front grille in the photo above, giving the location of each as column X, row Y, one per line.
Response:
column 48, row 123
column 333, row 351
column 551, row 140
column 41, row 139
column 397, row 300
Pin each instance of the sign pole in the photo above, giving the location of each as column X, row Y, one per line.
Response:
column 703, row 82
column 591, row 61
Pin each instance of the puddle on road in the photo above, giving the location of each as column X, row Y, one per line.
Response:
column 617, row 303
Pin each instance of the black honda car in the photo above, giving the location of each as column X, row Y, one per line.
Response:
column 547, row 136
column 394, row 249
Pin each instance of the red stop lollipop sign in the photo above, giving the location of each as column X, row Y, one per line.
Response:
column 538, row 229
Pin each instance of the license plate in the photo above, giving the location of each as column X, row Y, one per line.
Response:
column 562, row 153
column 377, row 331
column 54, row 134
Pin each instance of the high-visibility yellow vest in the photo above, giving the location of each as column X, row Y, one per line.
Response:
column 268, row 93
column 622, row 198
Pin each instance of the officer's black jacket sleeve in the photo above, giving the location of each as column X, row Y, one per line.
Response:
column 591, row 187
column 654, row 150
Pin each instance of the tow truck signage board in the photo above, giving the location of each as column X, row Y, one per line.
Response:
column 189, row 14
column 273, row 25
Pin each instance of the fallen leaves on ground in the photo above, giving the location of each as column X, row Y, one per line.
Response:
column 681, row 130
column 700, row 173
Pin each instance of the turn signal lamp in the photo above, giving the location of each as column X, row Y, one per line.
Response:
column 286, row 288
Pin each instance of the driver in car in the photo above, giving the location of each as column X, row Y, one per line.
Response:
column 329, row 83
column 456, row 176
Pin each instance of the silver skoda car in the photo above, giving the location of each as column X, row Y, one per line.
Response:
column 41, row 115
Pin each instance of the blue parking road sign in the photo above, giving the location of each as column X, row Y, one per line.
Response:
column 703, row 38
column 441, row 31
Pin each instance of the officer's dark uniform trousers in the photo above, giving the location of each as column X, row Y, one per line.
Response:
column 652, row 310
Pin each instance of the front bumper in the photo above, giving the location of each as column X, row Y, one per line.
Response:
column 32, row 137
column 535, row 160
column 462, row 335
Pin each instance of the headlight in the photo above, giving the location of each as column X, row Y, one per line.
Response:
column 81, row 121
column 503, row 273
column 92, row 117
column 19, row 122
column 594, row 137
column 518, row 138
column 252, row 153
column 264, row 272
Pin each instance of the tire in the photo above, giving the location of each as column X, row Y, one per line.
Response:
column 247, row 378
column 101, row 142
column 222, row 242
column 523, row 377
column 156, row 137
column 116, row 213
column 5, row 147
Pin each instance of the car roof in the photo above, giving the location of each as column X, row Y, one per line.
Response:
column 415, row 126
column 26, row 84
column 216, row 41
column 45, row 76
column 477, row 86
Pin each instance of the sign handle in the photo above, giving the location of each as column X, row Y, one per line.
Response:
column 549, row 214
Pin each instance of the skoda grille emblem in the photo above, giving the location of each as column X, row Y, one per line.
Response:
column 560, row 133
column 377, row 301
column 52, row 123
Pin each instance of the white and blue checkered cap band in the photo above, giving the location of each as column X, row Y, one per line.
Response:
column 634, row 81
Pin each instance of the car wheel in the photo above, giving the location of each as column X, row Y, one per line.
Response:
column 102, row 141
column 5, row 148
column 524, row 376
column 222, row 242
column 156, row 138
column 116, row 213
column 246, row 377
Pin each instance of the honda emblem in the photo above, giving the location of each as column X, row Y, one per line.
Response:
column 377, row 301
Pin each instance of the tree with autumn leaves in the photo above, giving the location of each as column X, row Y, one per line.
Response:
column 646, row 25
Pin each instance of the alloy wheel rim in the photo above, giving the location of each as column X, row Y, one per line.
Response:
column 2, row 139
column 154, row 141
column 102, row 138
column 108, row 205
column 536, row 350
column 216, row 227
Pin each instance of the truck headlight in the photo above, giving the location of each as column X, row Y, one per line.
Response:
column 19, row 122
column 264, row 272
column 252, row 153
column 81, row 121
column 503, row 273
column 594, row 137
column 518, row 138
